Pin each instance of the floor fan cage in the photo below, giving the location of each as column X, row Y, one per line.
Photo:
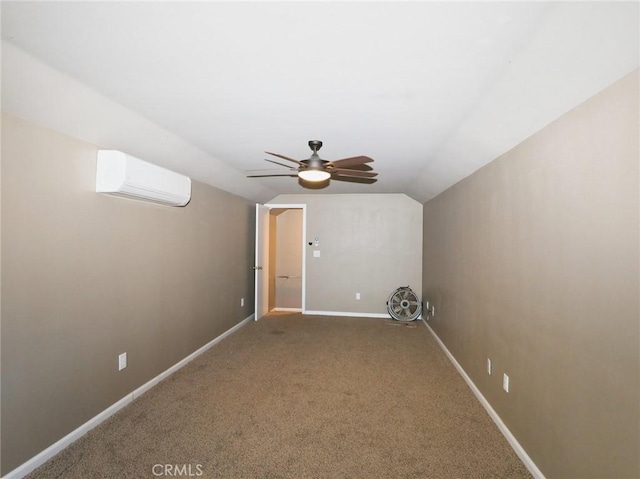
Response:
column 404, row 305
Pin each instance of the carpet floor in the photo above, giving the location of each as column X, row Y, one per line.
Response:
column 294, row 396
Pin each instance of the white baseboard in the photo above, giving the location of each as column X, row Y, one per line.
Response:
column 58, row 446
column 293, row 310
column 39, row 459
column 148, row 385
column 340, row 313
column 519, row 450
column 352, row 314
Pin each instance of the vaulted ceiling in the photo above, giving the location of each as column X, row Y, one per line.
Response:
column 431, row 90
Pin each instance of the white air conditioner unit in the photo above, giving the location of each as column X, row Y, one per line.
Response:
column 122, row 174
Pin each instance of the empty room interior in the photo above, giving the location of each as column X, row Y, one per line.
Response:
column 154, row 267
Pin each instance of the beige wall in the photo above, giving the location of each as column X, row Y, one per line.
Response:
column 369, row 244
column 271, row 263
column 87, row 276
column 533, row 262
column 288, row 258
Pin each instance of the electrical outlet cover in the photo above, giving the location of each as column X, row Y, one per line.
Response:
column 122, row 361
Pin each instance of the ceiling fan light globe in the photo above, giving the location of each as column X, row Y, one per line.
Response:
column 314, row 175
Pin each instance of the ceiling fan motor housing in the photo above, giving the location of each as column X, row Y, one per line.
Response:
column 314, row 162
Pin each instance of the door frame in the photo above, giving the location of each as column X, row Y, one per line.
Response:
column 261, row 263
column 262, row 241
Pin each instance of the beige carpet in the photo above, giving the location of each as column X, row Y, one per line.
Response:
column 302, row 397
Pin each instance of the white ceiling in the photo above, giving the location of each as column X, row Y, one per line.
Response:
column 431, row 90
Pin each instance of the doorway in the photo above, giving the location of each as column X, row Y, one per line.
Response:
column 280, row 258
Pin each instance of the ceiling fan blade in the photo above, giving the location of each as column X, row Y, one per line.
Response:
column 281, row 164
column 293, row 175
column 284, row 157
column 348, row 172
column 267, row 171
column 346, row 162
column 362, row 167
column 354, row 179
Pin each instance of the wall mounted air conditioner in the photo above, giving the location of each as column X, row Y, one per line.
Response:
column 124, row 175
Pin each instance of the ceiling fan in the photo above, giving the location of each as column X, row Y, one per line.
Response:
column 316, row 170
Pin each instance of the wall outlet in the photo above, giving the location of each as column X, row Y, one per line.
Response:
column 357, row 295
column 505, row 383
column 122, row 361
column 489, row 366
column 241, row 302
